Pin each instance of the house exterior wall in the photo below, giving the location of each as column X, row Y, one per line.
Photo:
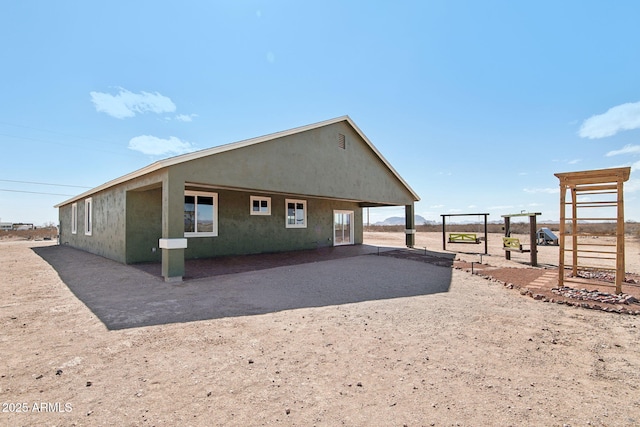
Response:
column 144, row 225
column 109, row 220
column 107, row 235
column 307, row 163
column 239, row 232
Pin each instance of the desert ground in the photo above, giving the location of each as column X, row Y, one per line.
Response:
column 477, row 354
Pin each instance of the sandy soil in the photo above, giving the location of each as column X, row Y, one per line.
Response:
column 476, row 355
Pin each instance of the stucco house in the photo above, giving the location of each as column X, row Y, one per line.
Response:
column 297, row 189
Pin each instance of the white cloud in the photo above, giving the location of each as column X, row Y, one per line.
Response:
column 128, row 104
column 185, row 117
column 500, row 207
column 616, row 119
column 541, row 190
column 627, row 149
column 632, row 185
column 155, row 146
column 436, row 206
column 574, row 161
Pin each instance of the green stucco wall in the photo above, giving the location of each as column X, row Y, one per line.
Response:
column 307, row 163
column 239, row 232
column 109, row 234
column 144, row 225
column 107, row 237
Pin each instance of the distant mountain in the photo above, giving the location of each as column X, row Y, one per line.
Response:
column 399, row 220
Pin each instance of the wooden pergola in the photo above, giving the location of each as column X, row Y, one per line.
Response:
column 603, row 188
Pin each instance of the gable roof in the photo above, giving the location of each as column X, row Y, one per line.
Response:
column 160, row 164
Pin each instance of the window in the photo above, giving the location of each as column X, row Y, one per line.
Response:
column 88, row 216
column 200, row 214
column 74, row 218
column 260, row 205
column 296, row 213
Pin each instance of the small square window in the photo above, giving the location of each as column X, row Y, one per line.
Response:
column 260, row 205
column 296, row 213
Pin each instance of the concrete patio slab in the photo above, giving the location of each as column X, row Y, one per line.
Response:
column 123, row 296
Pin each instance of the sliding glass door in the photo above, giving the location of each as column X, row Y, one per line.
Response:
column 342, row 228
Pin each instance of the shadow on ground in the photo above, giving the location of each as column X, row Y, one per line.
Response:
column 123, row 296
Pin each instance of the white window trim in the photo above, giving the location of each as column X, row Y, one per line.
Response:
column 74, row 218
column 286, row 213
column 88, row 216
column 260, row 199
column 213, row 233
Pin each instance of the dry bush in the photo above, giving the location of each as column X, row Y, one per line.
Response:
column 39, row 233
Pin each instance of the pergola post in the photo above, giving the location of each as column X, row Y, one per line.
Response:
column 507, row 233
column 533, row 242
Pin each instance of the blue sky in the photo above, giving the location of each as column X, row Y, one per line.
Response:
column 476, row 103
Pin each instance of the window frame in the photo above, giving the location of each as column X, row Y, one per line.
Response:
column 286, row 213
column 196, row 194
column 260, row 199
column 74, row 218
column 88, row 216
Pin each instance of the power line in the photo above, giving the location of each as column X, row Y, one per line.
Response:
column 59, row 133
column 36, row 192
column 82, row 147
column 43, row 183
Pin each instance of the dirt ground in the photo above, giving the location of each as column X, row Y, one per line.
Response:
column 478, row 354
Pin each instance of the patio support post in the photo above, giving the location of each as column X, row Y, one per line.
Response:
column 410, row 226
column 173, row 242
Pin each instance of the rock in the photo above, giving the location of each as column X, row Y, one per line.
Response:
column 287, row 411
column 538, row 296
